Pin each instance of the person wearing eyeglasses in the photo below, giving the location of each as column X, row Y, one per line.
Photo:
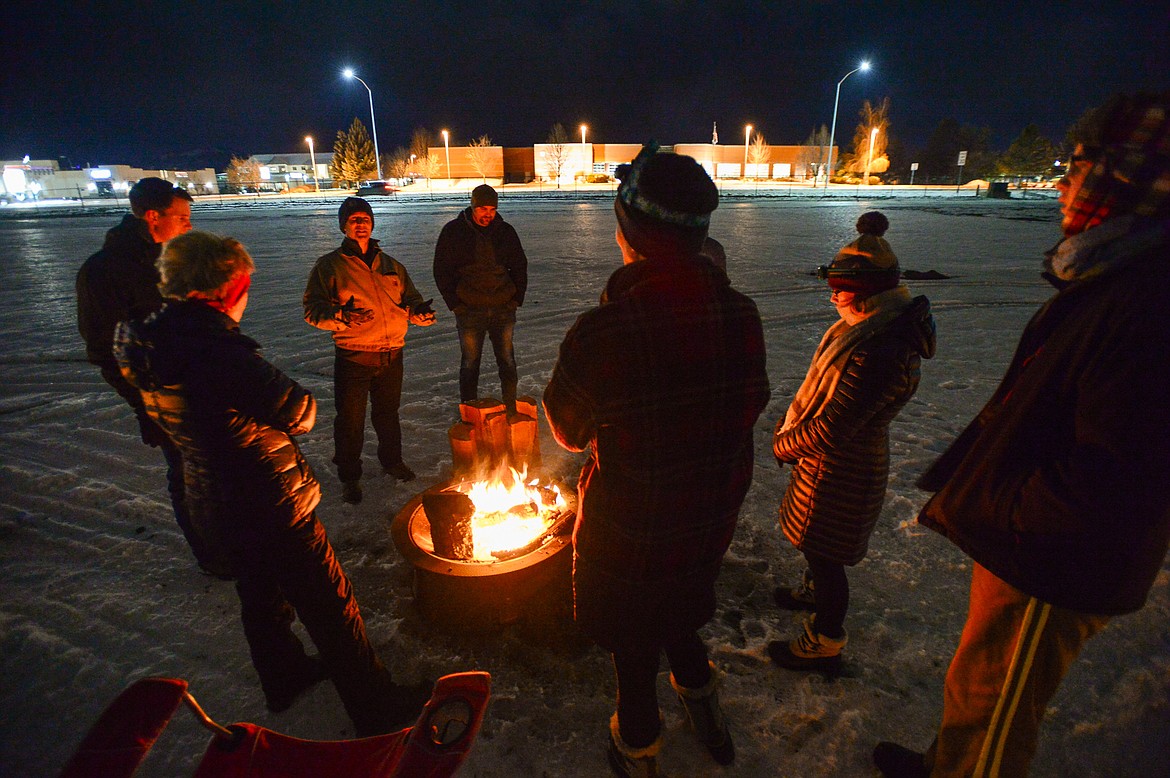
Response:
column 1056, row 490
column 835, row 436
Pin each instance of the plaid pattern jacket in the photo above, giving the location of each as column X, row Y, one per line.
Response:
column 663, row 382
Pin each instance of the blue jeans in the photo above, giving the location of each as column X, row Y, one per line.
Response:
column 497, row 324
column 356, row 376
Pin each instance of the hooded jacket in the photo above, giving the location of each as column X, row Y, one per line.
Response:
column 663, row 382
column 1058, row 485
column 841, row 455
column 231, row 413
column 383, row 287
column 480, row 267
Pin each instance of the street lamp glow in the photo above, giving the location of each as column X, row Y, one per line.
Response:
column 864, row 66
column 747, row 136
column 313, row 163
column 869, row 160
column 584, row 152
column 447, row 148
column 348, row 73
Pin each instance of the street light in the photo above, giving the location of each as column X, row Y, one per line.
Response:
column 447, row 147
column 864, row 66
column 584, row 161
column 747, row 136
column 313, row 162
column 869, row 159
column 348, row 73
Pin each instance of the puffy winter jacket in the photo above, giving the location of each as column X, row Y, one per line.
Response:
column 842, row 455
column 231, row 413
column 383, row 287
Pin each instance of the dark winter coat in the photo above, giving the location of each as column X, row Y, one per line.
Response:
column 842, row 455
column 382, row 286
column 232, row 414
column 118, row 283
column 480, row 267
column 663, row 382
column 1058, row 485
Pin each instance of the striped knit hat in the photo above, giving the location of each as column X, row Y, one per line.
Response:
column 664, row 202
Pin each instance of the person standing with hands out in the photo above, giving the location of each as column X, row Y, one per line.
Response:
column 482, row 273
column 662, row 383
column 1056, row 490
column 366, row 299
column 836, row 435
column 120, row 283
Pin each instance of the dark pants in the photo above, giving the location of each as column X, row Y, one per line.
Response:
column 294, row 573
column 831, row 592
column 356, row 376
column 637, row 679
column 497, row 324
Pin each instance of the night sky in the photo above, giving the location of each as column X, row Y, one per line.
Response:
column 177, row 84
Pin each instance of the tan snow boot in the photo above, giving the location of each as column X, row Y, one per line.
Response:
column 706, row 717
column 810, row 651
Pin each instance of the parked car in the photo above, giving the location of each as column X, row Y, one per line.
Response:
column 375, row 188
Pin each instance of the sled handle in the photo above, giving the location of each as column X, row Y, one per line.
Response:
column 205, row 720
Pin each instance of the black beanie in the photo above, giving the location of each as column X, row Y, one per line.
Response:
column 664, row 203
column 350, row 206
column 484, row 195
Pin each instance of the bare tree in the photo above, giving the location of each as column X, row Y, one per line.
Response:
column 760, row 153
column 477, row 155
column 871, row 118
column 398, row 163
column 428, row 166
column 814, row 154
column 558, row 151
column 242, row 173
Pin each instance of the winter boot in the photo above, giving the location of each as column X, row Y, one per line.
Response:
column 351, row 492
column 629, row 762
column 895, row 761
column 280, row 694
column 702, row 707
column 810, row 651
column 796, row 598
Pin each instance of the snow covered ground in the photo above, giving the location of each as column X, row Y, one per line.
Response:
column 97, row 587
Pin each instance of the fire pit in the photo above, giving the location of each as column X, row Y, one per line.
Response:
column 484, row 550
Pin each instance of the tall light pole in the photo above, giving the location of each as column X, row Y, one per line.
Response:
column 313, row 162
column 348, row 72
column 869, row 159
column 447, row 148
column 584, row 160
column 864, row 66
column 747, row 137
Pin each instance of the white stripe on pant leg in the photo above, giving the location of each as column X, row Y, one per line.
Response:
column 1030, row 633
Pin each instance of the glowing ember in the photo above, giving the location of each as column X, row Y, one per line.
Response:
column 510, row 513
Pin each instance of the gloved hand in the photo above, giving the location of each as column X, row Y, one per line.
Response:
column 352, row 316
column 423, row 308
column 423, row 314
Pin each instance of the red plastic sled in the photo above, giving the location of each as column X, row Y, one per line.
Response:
column 434, row 747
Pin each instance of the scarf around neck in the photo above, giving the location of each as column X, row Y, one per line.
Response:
column 829, row 360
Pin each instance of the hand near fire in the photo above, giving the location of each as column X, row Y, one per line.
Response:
column 352, row 316
column 423, row 314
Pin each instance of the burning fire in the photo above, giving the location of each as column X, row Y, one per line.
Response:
column 510, row 512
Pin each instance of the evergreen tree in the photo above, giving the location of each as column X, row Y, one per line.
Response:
column 1031, row 154
column 353, row 156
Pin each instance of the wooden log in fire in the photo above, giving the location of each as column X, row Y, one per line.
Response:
column 449, row 514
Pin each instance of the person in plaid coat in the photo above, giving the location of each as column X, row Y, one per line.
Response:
column 662, row 383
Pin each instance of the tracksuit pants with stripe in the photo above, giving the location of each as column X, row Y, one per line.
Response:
column 1012, row 656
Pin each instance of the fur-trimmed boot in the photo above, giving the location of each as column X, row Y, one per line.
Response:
column 810, row 651
column 706, row 717
column 629, row 762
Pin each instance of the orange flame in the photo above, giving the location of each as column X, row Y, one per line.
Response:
column 510, row 512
